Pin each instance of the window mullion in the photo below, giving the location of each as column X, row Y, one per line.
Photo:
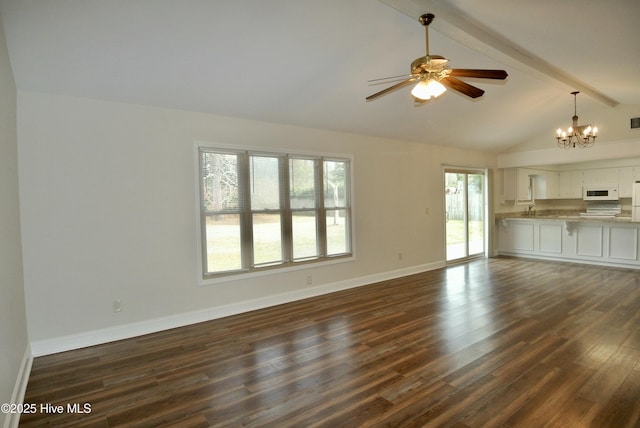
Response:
column 285, row 206
column 347, row 207
column 320, row 209
column 246, row 218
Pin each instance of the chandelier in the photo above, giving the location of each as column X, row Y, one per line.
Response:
column 582, row 135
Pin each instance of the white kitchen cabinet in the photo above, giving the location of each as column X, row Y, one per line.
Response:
column 589, row 239
column 623, row 177
column 526, row 184
column 553, row 185
column 523, row 236
column 546, row 185
column 625, row 182
column 570, row 183
column 635, row 174
column 600, row 176
column 623, row 242
column 550, row 238
column 517, row 184
column 610, row 175
column 520, row 182
column 608, row 243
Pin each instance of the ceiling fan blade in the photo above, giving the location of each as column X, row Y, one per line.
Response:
column 481, row 74
column 463, row 87
column 390, row 89
column 402, row 76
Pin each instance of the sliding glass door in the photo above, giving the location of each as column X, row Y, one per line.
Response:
column 465, row 213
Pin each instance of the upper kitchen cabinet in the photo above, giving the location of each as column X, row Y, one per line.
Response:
column 567, row 182
column 570, row 184
column 526, row 185
column 628, row 176
column 518, row 184
column 546, row 185
column 606, row 176
column 625, row 181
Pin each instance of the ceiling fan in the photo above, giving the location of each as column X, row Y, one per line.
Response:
column 434, row 77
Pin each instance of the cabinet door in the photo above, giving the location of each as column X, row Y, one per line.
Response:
column 540, row 186
column 610, row 175
column 516, row 236
column 570, row 185
column 590, row 177
column 550, row 237
column 625, row 183
column 553, row 185
column 601, row 176
column 589, row 239
column 524, row 184
column 623, row 242
column 517, row 184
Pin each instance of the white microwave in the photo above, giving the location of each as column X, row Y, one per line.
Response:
column 600, row 193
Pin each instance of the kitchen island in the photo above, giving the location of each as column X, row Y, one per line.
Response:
column 569, row 237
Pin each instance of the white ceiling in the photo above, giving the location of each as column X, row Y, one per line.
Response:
column 307, row 62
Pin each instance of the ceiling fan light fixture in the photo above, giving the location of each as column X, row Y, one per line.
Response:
column 426, row 90
column 429, row 70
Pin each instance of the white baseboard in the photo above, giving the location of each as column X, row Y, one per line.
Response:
column 110, row 334
column 17, row 397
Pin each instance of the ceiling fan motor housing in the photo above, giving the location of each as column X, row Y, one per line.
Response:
column 434, row 63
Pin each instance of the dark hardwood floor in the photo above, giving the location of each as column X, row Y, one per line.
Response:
column 501, row 342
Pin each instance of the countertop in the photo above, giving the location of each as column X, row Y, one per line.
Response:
column 562, row 215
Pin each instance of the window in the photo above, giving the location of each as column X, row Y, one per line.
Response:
column 264, row 210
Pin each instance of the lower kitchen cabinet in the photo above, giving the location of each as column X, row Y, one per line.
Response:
column 584, row 241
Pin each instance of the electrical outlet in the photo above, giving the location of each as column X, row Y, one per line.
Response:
column 117, row 305
column 309, row 280
column 400, row 256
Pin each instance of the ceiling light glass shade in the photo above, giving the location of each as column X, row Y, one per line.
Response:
column 429, row 89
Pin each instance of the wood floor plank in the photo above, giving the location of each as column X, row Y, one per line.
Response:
column 622, row 409
column 551, row 398
column 507, row 399
column 496, row 342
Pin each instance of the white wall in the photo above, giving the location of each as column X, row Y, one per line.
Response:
column 13, row 321
column 108, row 205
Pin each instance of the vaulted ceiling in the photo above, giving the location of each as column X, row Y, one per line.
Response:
column 308, row 62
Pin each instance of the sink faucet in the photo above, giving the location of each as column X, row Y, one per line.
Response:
column 531, row 210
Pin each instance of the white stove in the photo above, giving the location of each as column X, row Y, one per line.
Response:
column 602, row 211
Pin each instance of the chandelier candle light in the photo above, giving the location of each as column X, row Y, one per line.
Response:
column 582, row 135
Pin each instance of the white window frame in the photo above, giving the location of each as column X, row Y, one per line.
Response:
column 205, row 278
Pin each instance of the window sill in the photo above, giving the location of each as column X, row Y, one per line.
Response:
column 274, row 271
